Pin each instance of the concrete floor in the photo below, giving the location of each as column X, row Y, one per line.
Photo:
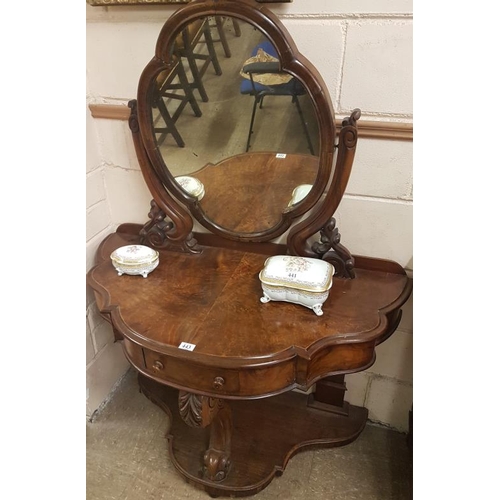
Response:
column 222, row 130
column 127, row 459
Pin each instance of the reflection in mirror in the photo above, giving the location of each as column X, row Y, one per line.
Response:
column 227, row 117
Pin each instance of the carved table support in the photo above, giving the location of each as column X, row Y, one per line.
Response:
column 156, row 232
column 266, row 434
column 202, row 411
column 329, row 395
column 330, row 249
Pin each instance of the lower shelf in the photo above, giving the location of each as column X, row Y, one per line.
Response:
column 266, row 434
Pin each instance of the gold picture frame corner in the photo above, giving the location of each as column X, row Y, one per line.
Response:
column 106, row 3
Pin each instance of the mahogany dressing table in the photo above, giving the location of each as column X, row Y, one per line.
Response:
column 235, row 419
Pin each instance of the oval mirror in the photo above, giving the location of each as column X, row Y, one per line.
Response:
column 233, row 130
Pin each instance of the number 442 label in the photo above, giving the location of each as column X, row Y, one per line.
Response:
column 186, row 346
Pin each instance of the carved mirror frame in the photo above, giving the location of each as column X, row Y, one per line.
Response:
column 171, row 221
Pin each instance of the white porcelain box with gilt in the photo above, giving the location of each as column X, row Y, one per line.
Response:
column 135, row 260
column 191, row 185
column 299, row 280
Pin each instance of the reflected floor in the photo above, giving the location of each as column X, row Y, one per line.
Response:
column 222, row 130
column 127, row 459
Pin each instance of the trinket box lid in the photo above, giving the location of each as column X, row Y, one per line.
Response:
column 299, row 193
column 191, row 185
column 301, row 273
column 134, row 255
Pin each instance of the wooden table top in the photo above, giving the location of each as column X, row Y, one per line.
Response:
column 211, row 300
column 249, row 192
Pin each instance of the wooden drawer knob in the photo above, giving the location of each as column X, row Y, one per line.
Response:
column 218, row 382
column 158, row 365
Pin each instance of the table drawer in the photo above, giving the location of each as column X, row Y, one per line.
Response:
column 192, row 375
column 243, row 382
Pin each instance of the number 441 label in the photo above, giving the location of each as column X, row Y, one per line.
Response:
column 186, row 346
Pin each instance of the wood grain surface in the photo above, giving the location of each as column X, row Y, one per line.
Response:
column 249, row 192
column 211, row 300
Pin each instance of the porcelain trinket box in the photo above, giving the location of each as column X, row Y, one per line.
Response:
column 300, row 280
column 299, row 193
column 135, row 259
column 191, row 185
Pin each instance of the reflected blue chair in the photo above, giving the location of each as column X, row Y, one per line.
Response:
column 249, row 86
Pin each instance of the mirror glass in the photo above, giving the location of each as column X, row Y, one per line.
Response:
column 232, row 129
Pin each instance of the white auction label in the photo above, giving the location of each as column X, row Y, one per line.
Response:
column 280, row 155
column 188, row 347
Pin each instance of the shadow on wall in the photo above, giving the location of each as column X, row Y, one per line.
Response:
column 394, row 455
column 393, row 467
column 409, row 264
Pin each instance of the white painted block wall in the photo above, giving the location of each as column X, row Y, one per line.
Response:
column 363, row 49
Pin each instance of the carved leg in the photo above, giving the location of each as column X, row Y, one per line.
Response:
column 216, row 458
column 202, row 411
column 317, row 308
column 265, row 298
column 329, row 395
column 258, row 453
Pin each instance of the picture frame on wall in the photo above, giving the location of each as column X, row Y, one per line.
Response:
column 105, row 3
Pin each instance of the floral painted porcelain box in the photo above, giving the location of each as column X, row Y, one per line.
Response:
column 300, row 280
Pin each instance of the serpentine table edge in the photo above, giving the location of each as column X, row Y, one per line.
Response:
column 234, row 390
